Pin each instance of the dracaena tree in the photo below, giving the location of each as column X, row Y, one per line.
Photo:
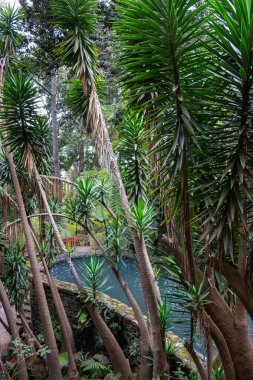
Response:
column 188, row 65
column 77, row 20
column 10, row 26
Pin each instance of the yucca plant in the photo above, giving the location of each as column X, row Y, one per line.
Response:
column 78, row 19
column 134, row 164
column 188, row 65
column 10, row 24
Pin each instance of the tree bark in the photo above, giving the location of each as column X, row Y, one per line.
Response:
column 57, row 171
column 53, row 357
column 21, row 365
column 145, row 372
column 235, row 333
column 64, row 324
column 118, row 359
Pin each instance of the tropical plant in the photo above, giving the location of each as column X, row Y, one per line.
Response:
column 78, row 51
column 133, row 160
column 187, row 65
column 10, row 23
column 93, row 276
column 15, row 275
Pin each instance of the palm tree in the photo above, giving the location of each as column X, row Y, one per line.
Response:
column 190, row 67
column 78, row 51
column 10, row 23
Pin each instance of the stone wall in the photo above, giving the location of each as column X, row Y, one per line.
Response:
column 118, row 316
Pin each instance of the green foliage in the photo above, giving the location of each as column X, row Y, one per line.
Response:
column 164, row 313
column 77, row 50
column 76, row 99
column 15, row 275
column 133, row 349
column 117, row 243
column 133, row 156
column 26, row 130
column 218, row 373
column 83, row 320
column 97, row 366
column 10, row 25
column 93, row 276
column 143, row 218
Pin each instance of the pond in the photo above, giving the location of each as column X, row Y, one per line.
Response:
column 180, row 321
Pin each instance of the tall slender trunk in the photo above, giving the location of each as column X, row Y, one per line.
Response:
column 64, row 325
column 57, row 171
column 63, row 319
column 53, row 357
column 21, row 365
column 236, row 335
column 222, row 346
column 149, row 285
column 145, row 372
column 118, row 359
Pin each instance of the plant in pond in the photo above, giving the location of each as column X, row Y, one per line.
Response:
column 164, row 312
column 93, row 277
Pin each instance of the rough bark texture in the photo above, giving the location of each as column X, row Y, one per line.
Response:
column 21, row 365
column 145, row 368
column 119, row 362
column 64, row 325
column 53, row 357
column 236, row 335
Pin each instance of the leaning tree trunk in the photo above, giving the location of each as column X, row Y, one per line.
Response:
column 149, row 285
column 119, row 362
column 57, row 171
column 145, row 371
column 234, row 332
column 64, row 325
column 21, row 365
column 52, row 357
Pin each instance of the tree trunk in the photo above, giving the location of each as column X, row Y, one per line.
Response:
column 57, row 171
column 145, row 372
column 118, row 359
column 53, row 357
column 235, row 332
column 64, row 324
column 21, row 365
column 160, row 361
column 105, row 152
column 221, row 344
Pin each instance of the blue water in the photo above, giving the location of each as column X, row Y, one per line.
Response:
column 179, row 321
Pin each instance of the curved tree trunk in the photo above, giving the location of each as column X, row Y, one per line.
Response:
column 235, row 333
column 119, row 362
column 145, row 372
column 60, row 308
column 149, row 285
column 64, row 324
column 221, row 344
column 21, row 365
column 53, row 357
